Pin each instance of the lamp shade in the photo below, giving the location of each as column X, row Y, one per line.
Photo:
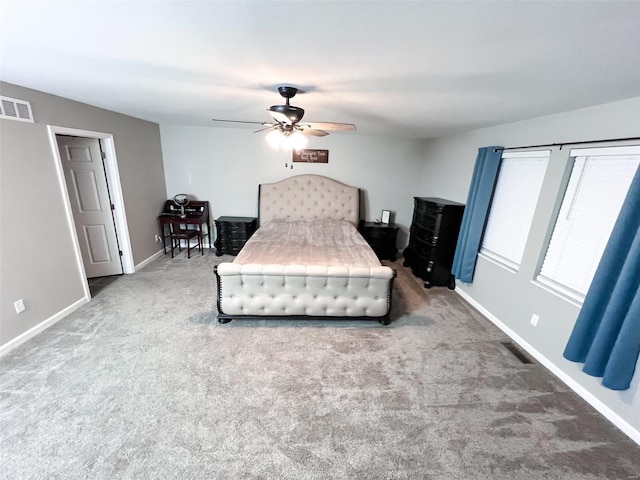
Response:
column 292, row 141
column 274, row 138
column 295, row 141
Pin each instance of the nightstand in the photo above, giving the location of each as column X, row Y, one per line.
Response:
column 232, row 233
column 381, row 237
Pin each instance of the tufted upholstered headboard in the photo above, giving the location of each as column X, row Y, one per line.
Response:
column 307, row 197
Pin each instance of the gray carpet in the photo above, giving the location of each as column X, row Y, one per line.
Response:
column 144, row 383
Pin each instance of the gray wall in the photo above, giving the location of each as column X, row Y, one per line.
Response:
column 226, row 165
column 512, row 298
column 38, row 262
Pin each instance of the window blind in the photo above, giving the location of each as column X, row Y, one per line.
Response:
column 597, row 187
column 513, row 205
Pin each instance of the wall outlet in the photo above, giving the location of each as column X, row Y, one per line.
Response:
column 19, row 306
column 534, row 319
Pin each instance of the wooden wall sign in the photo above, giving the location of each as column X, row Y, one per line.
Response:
column 311, row 156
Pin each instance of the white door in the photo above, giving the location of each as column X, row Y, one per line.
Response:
column 90, row 204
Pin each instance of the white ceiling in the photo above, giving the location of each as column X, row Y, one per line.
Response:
column 412, row 69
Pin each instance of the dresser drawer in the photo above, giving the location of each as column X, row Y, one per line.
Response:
column 232, row 233
column 424, row 233
column 426, row 209
column 422, row 248
column 235, row 228
column 380, row 233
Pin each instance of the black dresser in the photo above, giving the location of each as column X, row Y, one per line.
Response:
column 381, row 237
column 432, row 240
column 232, row 233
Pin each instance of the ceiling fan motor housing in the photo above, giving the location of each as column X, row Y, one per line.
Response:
column 287, row 92
column 294, row 114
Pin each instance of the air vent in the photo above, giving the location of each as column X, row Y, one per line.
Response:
column 14, row 109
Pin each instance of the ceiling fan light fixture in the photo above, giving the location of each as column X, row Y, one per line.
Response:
column 294, row 141
column 274, row 138
column 286, row 140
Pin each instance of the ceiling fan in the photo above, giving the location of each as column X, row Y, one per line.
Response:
column 287, row 121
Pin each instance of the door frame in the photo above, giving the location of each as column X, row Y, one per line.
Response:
column 115, row 192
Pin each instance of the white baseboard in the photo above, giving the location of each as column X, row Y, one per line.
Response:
column 32, row 332
column 570, row 382
column 146, row 262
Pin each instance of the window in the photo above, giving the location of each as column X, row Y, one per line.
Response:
column 599, row 181
column 514, row 202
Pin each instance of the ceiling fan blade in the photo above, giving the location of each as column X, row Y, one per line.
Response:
column 280, row 117
column 241, row 121
column 315, row 132
column 270, row 127
column 331, row 126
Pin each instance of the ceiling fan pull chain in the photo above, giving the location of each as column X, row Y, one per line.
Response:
column 286, row 161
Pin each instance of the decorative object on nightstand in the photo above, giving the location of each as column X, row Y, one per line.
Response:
column 381, row 237
column 232, row 233
column 432, row 240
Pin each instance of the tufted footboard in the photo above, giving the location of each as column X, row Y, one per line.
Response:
column 253, row 290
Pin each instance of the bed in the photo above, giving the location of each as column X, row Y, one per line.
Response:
column 307, row 259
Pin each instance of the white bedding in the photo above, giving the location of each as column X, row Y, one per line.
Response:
column 308, row 242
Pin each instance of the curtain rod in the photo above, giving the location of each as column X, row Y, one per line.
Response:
column 571, row 143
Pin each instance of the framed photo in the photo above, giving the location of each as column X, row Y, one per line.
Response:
column 386, row 216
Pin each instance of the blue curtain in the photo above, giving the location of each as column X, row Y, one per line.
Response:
column 476, row 210
column 606, row 336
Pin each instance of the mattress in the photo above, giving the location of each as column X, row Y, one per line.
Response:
column 327, row 243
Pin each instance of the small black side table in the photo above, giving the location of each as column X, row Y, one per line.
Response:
column 232, row 233
column 381, row 237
